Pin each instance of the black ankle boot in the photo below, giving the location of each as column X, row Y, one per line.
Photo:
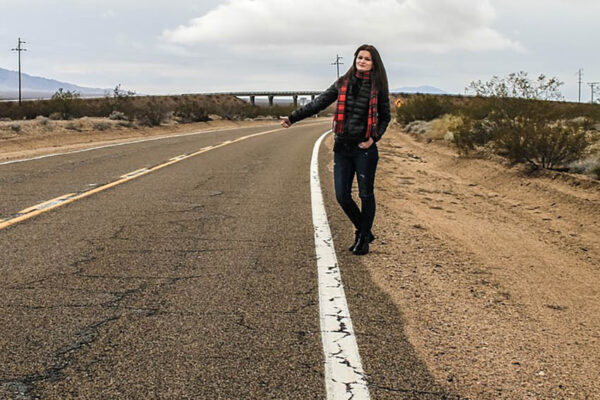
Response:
column 362, row 245
column 356, row 235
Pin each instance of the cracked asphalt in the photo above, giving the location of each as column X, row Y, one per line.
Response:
column 195, row 281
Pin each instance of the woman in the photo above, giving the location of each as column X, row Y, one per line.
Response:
column 362, row 116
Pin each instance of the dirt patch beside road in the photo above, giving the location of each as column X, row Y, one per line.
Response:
column 496, row 271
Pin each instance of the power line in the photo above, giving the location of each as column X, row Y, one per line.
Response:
column 18, row 49
column 337, row 63
column 592, row 85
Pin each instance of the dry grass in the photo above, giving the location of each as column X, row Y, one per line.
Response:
column 437, row 129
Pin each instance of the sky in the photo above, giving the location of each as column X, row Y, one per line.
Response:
column 199, row 46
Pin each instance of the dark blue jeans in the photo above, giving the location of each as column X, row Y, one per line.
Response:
column 350, row 161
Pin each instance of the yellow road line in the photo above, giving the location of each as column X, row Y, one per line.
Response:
column 133, row 173
column 45, row 204
column 60, row 201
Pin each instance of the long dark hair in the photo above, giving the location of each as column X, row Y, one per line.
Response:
column 378, row 74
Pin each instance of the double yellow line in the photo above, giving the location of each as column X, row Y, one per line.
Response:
column 65, row 199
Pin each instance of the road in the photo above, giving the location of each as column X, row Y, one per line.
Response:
column 195, row 280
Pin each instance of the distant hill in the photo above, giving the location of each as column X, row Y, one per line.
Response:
column 418, row 89
column 34, row 87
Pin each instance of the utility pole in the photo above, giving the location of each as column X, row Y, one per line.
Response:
column 337, row 63
column 592, row 86
column 580, row 82
column 19, row 50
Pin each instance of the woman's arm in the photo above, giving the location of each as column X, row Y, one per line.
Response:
column 320, row 103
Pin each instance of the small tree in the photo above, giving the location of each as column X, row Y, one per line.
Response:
column 64, row 101
column 121, row 100
column 520, row 86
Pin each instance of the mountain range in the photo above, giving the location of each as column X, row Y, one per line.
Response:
column 34, row 87
column 418, row 89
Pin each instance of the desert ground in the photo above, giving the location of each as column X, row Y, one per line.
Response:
column 496, row 269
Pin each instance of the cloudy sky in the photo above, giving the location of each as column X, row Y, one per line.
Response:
column 190, row 46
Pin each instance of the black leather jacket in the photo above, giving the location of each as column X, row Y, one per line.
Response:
column 356, row 111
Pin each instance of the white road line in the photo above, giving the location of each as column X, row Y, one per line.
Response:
column 344, row 376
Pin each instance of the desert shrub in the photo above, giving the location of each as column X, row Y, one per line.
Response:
column 587, row 166
column 234, row 111
column 440, row 128
column 417, row 127
column 15, row 128
column 422, row 107
column 153, row 113
column 43, row 121
column 73, row 126
column 471, row 133
column 101, row 126
column 126, row 124
column 117, row 116
column 190, row 110
column 121, row 100
column 538, row 141
column 55, row 116
column 541, row 143
column 65, row 102
column 274, row 111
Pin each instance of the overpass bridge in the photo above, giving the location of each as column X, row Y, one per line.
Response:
column 271, row 95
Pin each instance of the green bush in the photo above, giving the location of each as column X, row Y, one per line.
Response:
column 65, row 102
column 422, row 107
column 538, row 141
column 472, row 133
column 542, row 143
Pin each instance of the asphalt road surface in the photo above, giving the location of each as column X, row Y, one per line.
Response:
column 196, row 280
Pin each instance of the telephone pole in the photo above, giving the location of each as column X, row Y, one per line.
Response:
column 580, row 82
column 337, row 63
column 592, row 86
column 18, row 49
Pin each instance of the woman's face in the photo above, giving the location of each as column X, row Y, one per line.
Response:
column 364, row 62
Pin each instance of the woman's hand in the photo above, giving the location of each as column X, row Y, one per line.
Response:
column 367, row 144
column 285, row 122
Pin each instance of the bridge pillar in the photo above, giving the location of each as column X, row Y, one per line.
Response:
column 271, row 100
column 295, row 97
column 252, row 100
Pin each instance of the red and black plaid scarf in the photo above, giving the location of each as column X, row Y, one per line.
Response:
column 338, row 118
